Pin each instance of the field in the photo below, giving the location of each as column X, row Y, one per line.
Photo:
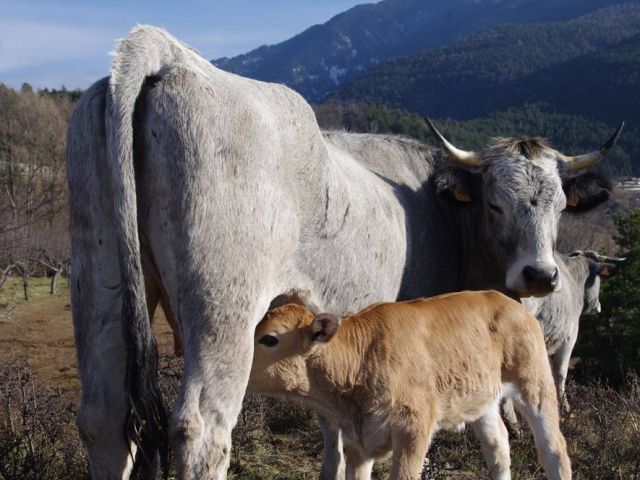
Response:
column 39, row 395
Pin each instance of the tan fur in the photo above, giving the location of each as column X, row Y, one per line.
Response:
column 395, row 373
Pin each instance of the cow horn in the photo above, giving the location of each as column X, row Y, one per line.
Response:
column 580, row 162
column 597, row 257
column 469, row 159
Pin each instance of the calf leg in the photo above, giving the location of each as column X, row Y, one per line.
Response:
column 410, row 441
column 510, row 415
column 358, row 465
column 333, row 465
column 494, row 441
column 539, row 405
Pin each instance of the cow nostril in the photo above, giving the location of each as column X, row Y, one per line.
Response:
column 529, row 273
column 540, row 278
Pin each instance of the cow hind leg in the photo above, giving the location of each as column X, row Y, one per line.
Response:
column 218, row 356
column 96, row 297
column 494, row 441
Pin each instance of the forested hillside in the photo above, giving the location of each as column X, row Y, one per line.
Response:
column 510, row 65
column 324, row 56
column 569, row 133
column 572, row 82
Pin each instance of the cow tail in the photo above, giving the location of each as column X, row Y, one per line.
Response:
column 139, row 55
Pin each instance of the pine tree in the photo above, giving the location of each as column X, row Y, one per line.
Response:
column 612, row 339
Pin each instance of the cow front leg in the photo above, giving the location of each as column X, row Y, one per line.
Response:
column 333, row 464
column 560, row 368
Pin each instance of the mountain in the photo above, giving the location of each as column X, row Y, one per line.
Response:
column 603, row 85
column 581, row 65
column 325, row 56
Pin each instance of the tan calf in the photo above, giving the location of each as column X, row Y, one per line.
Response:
column 392, row 375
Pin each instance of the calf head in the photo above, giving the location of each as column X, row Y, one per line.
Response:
column 600, row 267
column 520, row 187
column 284, row 340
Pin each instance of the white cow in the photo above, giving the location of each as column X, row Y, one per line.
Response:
column 232, row 195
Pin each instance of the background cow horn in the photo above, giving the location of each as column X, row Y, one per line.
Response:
column 597, row 257
column 587, row 160
column 469, row 159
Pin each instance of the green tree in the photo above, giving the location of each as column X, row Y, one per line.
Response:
column 612, row 339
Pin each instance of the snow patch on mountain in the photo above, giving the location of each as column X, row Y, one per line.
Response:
column 335, row 73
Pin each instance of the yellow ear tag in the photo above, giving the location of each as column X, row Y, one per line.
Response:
column 573, row 201
column 605, row 271
column 461, row 195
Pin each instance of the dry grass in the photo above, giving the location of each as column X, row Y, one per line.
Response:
column 38, row 439
column 272, row 440
column 39, row 398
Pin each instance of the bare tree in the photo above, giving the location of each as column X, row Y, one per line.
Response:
column 33, row 214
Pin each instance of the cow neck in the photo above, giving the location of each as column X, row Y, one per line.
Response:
column 578, row 267
column 476, row 268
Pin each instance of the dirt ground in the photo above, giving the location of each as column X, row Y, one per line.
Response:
column 41, row 331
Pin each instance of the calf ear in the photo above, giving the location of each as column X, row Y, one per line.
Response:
column 324, row 327
column 607, row 270
column 456, row 184
column 585, row 191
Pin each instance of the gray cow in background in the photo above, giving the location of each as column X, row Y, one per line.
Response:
column 559, row 313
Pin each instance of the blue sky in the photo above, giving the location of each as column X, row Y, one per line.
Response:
column 50, row 43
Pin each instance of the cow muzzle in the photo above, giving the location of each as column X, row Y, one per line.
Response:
column 534, row 279
column 540, row 280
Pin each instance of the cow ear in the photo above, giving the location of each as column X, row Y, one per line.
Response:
column 456, row 184
column 324, row 327
column 586, row 191
column 607, row 270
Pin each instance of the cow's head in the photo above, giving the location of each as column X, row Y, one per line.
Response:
column 600, row 267
column 521, row 187
column 285, row 338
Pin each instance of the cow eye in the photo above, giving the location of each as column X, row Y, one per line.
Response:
column 269, row 340
column 495, row 208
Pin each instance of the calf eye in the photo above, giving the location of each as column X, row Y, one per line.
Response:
column 269, row 340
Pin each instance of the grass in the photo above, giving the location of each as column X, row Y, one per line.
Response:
column 39, row 394
column 273, row 440
column 12, row 294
